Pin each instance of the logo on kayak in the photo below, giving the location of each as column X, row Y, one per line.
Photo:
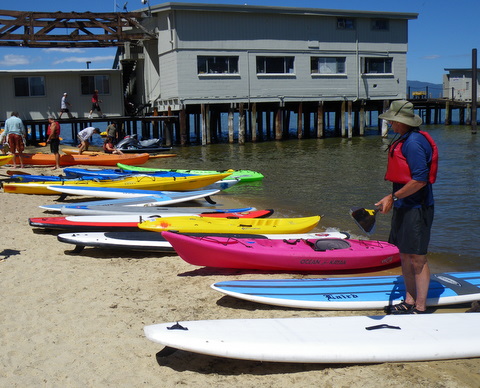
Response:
column 323, row 262
column 340, row 296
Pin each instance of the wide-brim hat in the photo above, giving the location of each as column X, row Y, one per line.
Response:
column 402, row 111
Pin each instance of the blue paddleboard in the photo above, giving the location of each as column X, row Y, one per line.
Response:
column 351, row 293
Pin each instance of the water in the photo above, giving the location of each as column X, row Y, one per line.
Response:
column 329, row 176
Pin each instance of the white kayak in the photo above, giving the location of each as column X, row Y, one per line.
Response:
column 112, row 192
column 154, row 241
column 80, row 210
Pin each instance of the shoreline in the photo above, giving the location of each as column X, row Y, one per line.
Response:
column 77, row 319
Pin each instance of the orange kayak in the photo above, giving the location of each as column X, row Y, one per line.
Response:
column 90, row 160
column 74, row 151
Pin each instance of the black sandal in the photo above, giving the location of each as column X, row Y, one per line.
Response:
column 401, row 308
column 415, row 311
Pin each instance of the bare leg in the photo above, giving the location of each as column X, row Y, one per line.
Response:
column 416, row 275
column 82, row 148
column 57, row 161
column 20, row 156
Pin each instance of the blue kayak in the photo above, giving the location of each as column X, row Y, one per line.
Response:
column 71, row 172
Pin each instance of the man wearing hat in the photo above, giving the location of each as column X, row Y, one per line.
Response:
column 412, row 168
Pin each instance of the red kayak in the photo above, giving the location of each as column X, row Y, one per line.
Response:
column 103, row 223
column 294, row 254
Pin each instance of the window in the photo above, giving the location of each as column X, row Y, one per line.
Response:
column 217, row 65
column 275, row 65
column 90, row 83
column 327, row 65
column 29, row 86
column 345, row 24
column 378, row 65
column 379, row 24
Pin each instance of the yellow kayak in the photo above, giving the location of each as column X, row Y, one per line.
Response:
column 5, row 159
column 143, row 182
column 226, row 225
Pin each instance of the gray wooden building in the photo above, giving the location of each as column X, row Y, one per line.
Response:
column 206, row 55
column 36, row 94
column 457, row 84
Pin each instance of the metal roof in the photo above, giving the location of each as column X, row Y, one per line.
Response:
column 279, row 10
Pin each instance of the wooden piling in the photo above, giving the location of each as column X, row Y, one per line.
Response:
column 320, row 120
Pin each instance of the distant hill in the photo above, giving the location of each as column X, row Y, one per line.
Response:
column 433, row 90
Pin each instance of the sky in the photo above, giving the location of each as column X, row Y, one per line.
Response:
column 442, row 36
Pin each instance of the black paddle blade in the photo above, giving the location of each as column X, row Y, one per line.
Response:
column 364, row 218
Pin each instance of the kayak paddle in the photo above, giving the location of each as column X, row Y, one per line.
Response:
column 364, row 218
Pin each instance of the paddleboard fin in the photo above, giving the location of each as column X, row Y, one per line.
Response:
column 210, row 200
column 177, row 326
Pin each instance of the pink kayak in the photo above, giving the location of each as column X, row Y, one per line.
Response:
column 292, row 254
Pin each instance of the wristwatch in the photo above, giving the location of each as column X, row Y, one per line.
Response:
column 395, row 198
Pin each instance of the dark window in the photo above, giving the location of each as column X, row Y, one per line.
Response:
column 327, row 65
column 90, row 83
column 345, row 24
column 217, row 65
column 275, row 65
column 379, row 24
column 29, row 86
column 378, row 65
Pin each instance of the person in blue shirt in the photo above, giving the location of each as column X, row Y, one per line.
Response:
column 412, row 168
column 15, row 135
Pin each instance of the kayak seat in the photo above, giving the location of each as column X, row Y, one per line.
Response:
column 329, row 244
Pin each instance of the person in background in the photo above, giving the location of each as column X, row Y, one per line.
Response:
column 412, row 168
column 15, row 133
column 112, row 132
column 96, row 105
column 53, row 133
column 109, row 148
column 3, row 143
column 64, row 107
column 84, row 137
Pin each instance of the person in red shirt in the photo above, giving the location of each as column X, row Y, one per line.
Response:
column 95, row 105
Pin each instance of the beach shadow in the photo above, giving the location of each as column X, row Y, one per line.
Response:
column 237, row 304
column 183, row 361
column 110, row 253
column 213, row 271
column 6, row 253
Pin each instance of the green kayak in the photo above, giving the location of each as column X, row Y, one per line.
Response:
column 241, row 175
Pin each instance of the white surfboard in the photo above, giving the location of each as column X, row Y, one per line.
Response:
column 354, row 339
column 110, row 192
column 133, row 202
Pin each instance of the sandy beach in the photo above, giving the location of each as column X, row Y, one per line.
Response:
column 76, row 320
